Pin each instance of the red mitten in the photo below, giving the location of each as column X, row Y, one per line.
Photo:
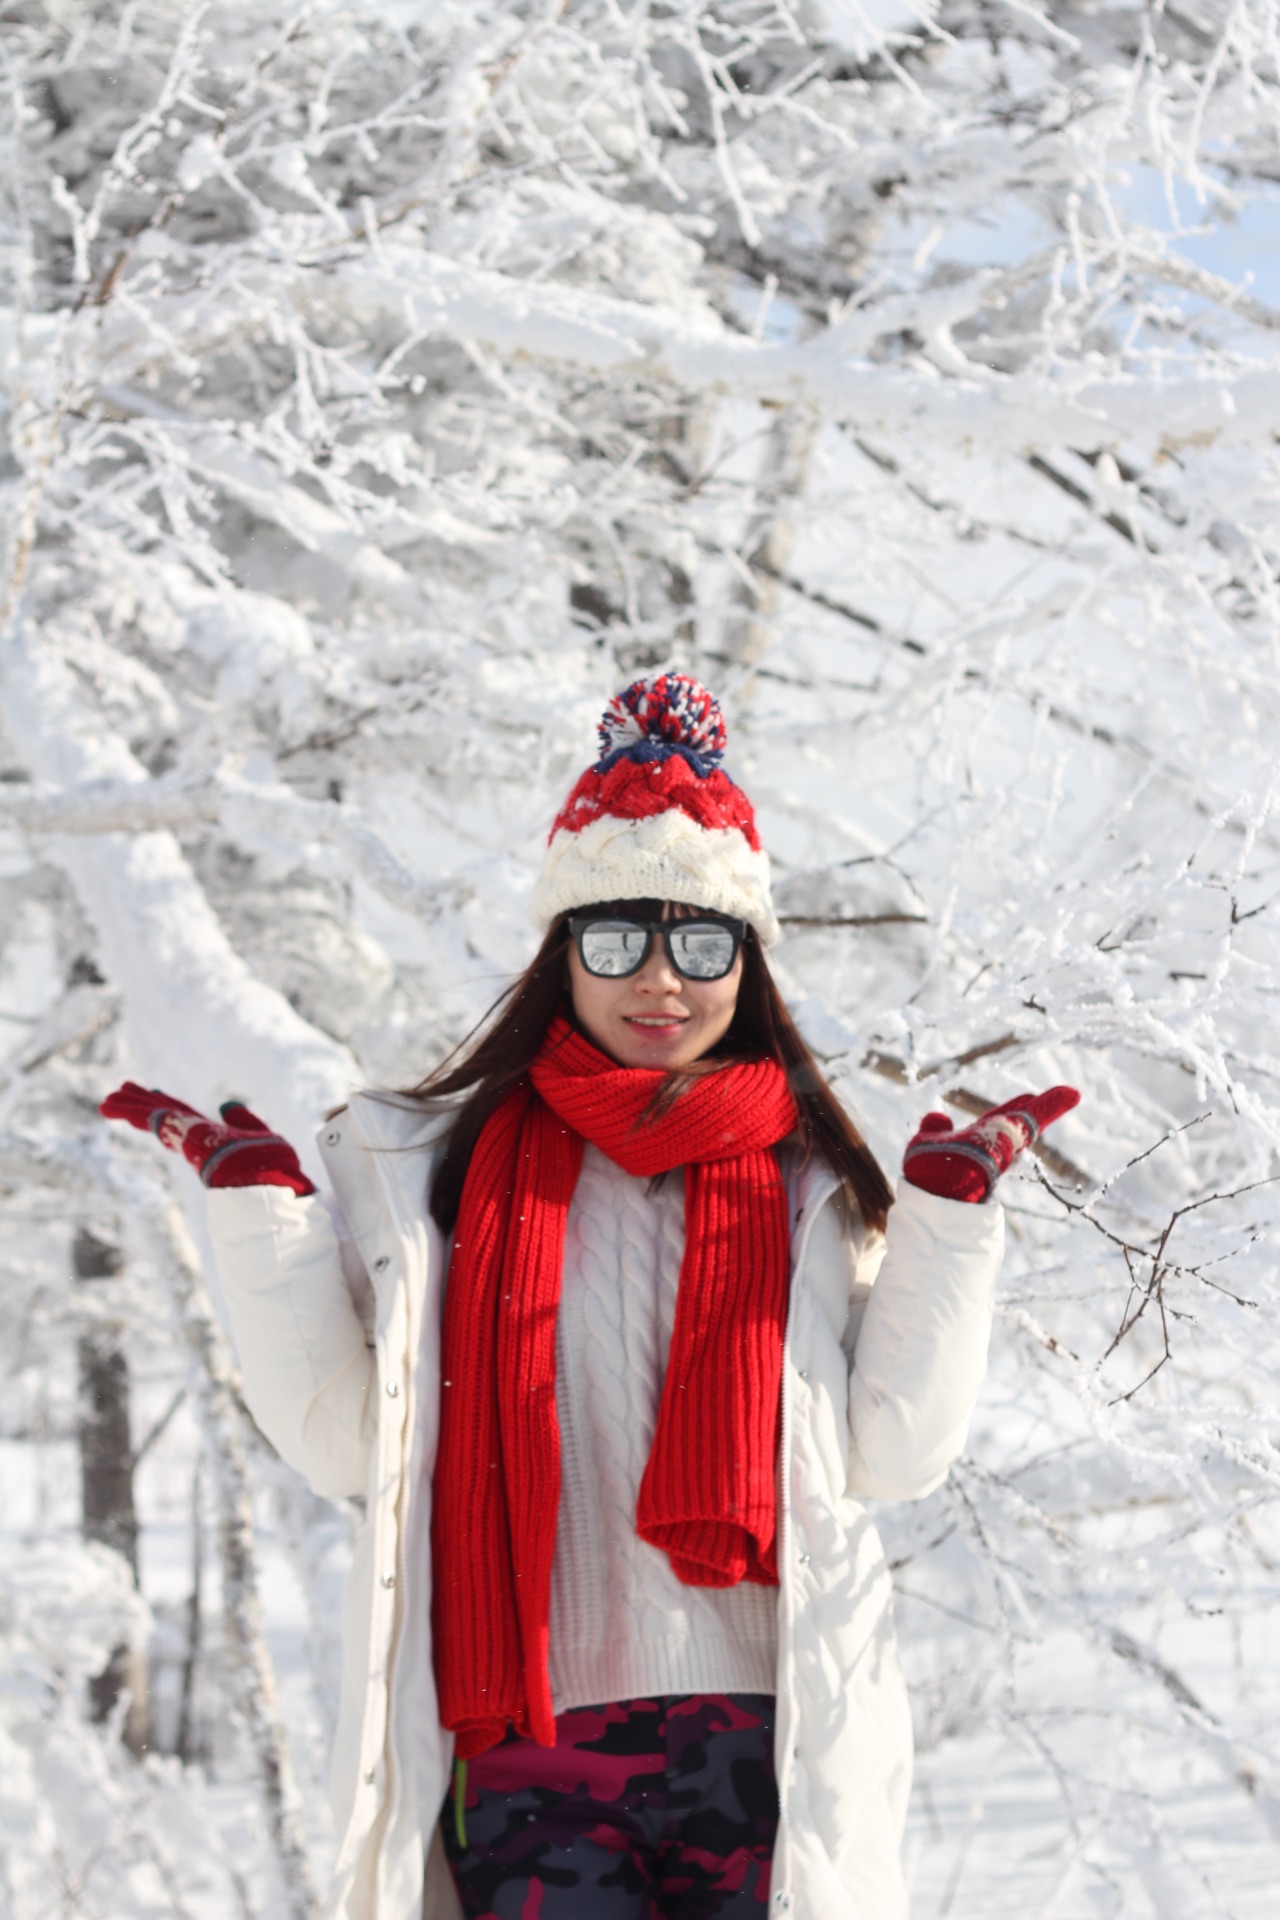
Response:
column 238, row 1151
column 966, row 1165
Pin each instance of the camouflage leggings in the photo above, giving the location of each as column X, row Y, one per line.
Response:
column 642, row 1808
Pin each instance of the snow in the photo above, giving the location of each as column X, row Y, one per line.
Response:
column 383, row 387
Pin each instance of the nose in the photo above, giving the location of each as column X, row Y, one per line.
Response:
column 657, row 975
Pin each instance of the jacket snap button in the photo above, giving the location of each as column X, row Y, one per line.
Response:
column 388, row 1579
column 393, row 1388
column 381, row 1264
column 371, row 1774
column 332, row 1138
column 804, row 1559
column 804, row 1373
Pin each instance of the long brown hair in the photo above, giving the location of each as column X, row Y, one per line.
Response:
column 501, row 1049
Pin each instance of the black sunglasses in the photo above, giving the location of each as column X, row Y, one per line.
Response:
column 611, row 947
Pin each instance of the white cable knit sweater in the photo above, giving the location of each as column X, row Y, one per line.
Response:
column 622, row 1625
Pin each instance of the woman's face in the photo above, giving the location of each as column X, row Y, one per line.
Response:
column 654, row 1018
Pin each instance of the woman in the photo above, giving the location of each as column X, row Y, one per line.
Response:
column 616, row 1588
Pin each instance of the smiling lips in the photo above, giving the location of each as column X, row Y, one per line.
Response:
column 657, row 1020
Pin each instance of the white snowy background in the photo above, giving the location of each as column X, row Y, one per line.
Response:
column 385, row 383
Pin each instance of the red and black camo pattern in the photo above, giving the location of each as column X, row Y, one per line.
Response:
column 665, row 1806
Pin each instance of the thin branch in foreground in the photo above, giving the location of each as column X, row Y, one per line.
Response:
column 144, row 1447
column 853, row 920
column 1147, row 1287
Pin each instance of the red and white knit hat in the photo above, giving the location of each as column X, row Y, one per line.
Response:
column 657, row 817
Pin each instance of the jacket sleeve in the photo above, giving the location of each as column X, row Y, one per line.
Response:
column 921, row 1350
column 308, row 1368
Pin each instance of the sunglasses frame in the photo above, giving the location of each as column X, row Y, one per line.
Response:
column 737, row 929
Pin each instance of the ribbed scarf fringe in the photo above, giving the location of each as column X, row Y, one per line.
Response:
column 708, row 1497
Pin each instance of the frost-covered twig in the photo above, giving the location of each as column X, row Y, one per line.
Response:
column 1150, row 1267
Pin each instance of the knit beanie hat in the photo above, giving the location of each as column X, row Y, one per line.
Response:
column 657, row 817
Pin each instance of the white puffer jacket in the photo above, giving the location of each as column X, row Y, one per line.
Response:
column 338, row 1334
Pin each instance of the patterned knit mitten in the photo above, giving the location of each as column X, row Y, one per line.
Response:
column 966, row 1165
column 238, row 1151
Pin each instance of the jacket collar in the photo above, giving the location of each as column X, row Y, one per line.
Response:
column 395, row 1121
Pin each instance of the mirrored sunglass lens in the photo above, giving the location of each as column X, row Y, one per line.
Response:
column 611, row 948
column 703, row 952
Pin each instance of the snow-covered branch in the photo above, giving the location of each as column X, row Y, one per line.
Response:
column 176, row 806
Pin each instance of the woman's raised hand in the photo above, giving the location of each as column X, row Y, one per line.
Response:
column 237, row 1151
column 966, row 1165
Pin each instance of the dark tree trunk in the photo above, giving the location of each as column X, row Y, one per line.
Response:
column 106, row 1480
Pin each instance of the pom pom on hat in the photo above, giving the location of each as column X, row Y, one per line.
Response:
column 657, row 817
column 674, row 710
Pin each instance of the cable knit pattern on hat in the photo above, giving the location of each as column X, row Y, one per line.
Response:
column 667, row 857
column 622, row 1624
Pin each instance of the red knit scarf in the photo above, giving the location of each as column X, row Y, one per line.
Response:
column 708, row 1496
